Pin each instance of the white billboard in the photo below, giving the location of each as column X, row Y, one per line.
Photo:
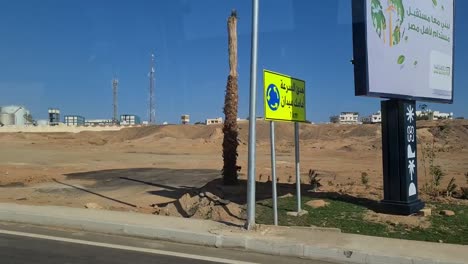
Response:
column 407, row 48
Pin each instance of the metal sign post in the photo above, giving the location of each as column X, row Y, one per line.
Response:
column 284, row 100
column 273, row 172
column 252, row 119
column 298, row 169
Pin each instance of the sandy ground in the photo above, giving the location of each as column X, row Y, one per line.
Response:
column 134, row 168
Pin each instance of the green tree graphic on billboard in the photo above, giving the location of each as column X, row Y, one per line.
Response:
column 394, row 13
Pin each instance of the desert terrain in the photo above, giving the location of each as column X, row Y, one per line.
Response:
column 146, row 168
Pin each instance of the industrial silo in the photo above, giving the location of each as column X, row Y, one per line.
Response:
column 10, row 109
column 7, row 119
column 19, row 114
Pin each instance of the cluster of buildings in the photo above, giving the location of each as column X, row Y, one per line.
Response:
column 346, row 118
column 376, row 118
column 433, row 115
column 125, row 120
column 185, row 119
column 353, row 118
column 14, row 115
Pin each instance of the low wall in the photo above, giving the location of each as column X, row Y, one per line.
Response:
column 56, row 129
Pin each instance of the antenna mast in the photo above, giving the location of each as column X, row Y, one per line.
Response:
column 115, row 85
column 152, row 108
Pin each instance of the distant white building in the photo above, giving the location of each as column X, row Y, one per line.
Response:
column 375, row 118
column 99, row 122
column 74, row 120
column 185, row 119
column 214, row 121
column 349, row 118
column 434, row 115
column 129, row 120
column 438, row 115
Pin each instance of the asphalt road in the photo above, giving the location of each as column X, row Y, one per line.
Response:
column 21, row 244
column 17, row 249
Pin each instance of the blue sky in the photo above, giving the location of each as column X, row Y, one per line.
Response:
column 64, row 54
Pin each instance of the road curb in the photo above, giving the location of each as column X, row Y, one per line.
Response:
column 242, row 240
column 166, row 234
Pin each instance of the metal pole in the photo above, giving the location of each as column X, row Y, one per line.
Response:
column 273, row 172
column 252, row 119
column 298, row 169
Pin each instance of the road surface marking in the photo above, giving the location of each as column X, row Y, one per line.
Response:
column 136, row 249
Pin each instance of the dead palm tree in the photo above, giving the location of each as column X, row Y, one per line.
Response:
column 230, row 132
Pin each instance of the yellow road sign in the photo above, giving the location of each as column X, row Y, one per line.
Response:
column 284, row 97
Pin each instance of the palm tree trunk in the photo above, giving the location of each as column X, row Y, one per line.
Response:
column 230, row 130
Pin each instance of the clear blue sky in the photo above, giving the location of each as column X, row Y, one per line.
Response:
column 64, row 54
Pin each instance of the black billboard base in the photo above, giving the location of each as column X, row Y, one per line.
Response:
column 399, row 156
column 401, row 208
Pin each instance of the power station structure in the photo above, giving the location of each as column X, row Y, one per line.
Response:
column 54, row 116
column 129, row 120
column 74, row 120
column 115, row 85
column 152, row 107
column 185, row 119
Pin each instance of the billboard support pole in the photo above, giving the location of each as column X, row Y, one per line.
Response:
column 298, row 170
column 273, row 173
column 399, row 156
column 252, row 119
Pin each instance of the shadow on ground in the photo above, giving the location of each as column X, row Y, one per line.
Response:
column 169, row 183
column 238, row 193
column 168, row 179
column 174, row 183
column 78, row 188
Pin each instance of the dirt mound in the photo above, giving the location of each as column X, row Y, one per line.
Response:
column 363, row 131
column 316, row 132
column 409, row 222
column 126, row 134
column 216, row 135
column 285, row 131
column 446, row 135
column 170, row 131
